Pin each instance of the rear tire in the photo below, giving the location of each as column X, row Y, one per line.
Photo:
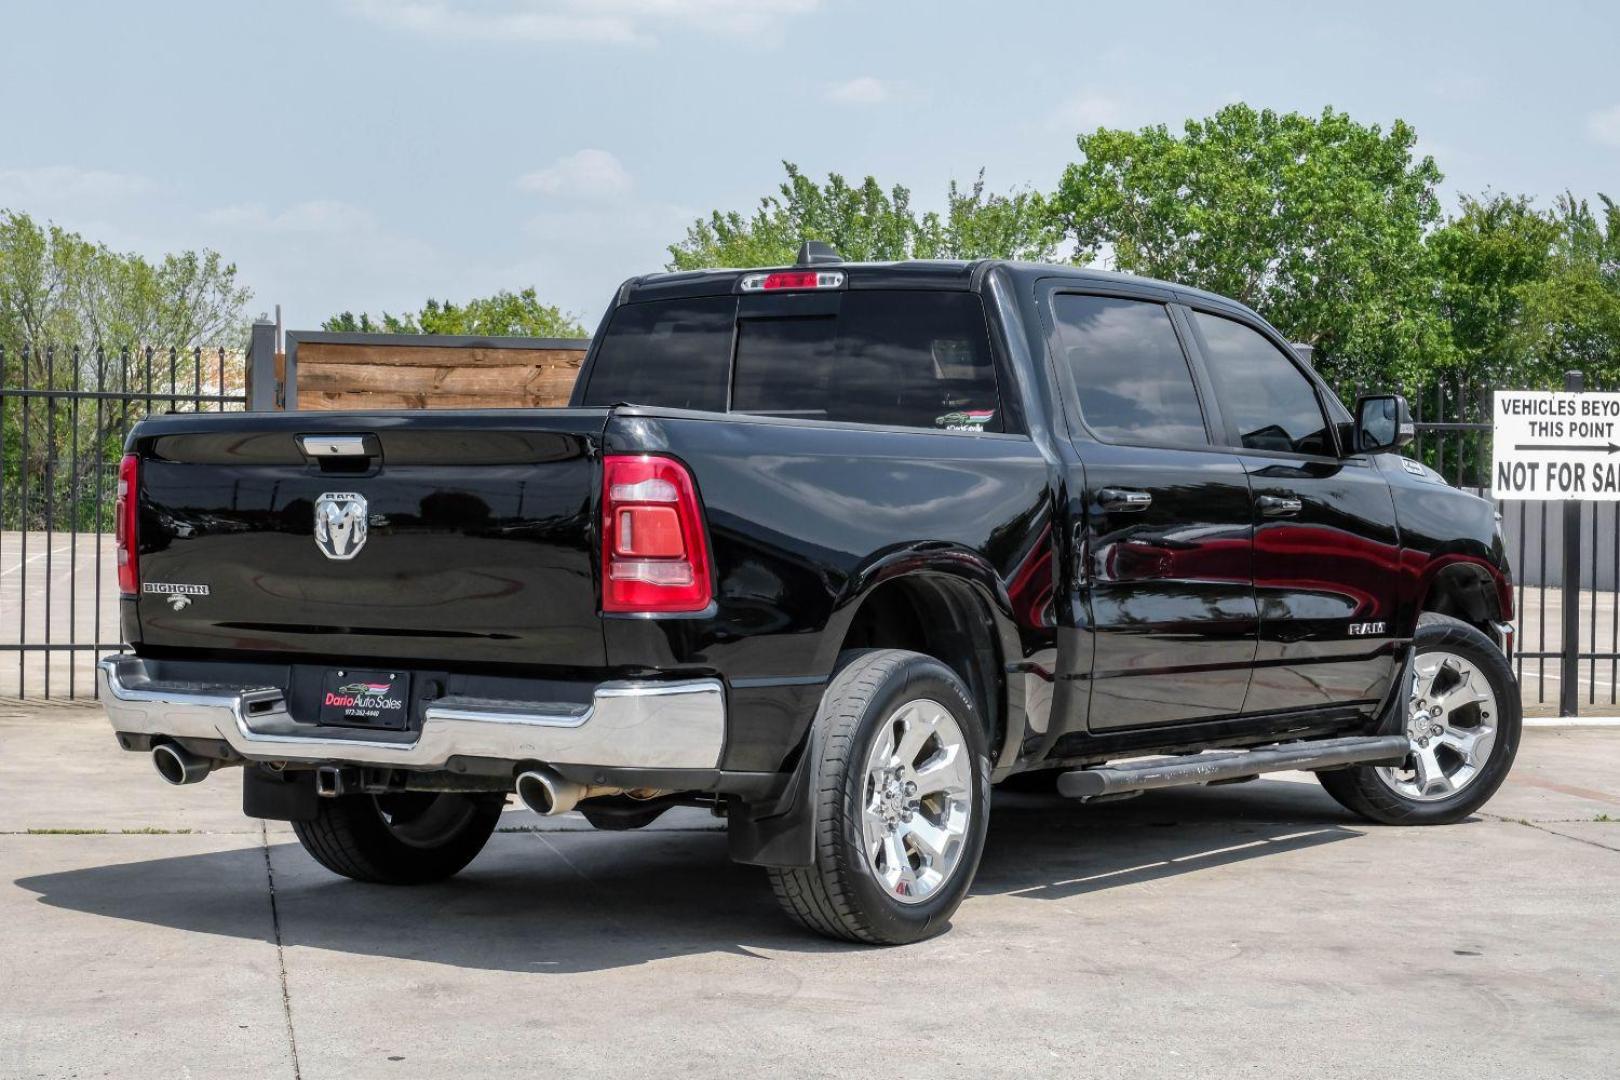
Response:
column 1465, row 734
column 901, row 804
column 409, row 838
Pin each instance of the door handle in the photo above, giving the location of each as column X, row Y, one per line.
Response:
column 1278, row 506
column 1121, row 500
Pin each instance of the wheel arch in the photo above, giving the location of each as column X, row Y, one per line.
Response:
column 1468, row 589
column 940, row 615
column 940, row 600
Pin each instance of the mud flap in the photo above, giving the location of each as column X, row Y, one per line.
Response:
column 1392, row 714
column 279, row 796
column 781, row 832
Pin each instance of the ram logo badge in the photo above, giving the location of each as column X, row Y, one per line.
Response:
column 340, row 524
column 1366, row 629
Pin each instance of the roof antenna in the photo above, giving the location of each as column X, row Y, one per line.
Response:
column 817, row 253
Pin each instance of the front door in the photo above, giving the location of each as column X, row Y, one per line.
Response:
column 1326, row 550
column 1165, row 613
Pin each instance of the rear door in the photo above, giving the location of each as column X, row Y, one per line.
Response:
column 1165, row 602
column 1326, row 552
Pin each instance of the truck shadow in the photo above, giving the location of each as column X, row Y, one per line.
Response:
column 573, row 901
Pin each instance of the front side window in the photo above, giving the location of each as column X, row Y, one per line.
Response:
column 900, row 359
column 1271, row 402
column 1129, row 371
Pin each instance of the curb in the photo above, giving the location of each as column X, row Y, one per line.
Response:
column 1572, row 721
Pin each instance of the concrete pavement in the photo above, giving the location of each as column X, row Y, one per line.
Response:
column 1255, row 929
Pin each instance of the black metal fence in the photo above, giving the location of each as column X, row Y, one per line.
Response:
column 64, row 414
column 1565, row 556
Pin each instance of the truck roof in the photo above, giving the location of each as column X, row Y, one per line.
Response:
column 950, row 274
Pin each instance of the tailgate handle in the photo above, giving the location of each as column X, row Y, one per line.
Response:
column 330, row 446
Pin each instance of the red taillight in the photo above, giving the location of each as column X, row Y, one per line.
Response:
column 654, row 555
column 125, row 513
column 793, row 279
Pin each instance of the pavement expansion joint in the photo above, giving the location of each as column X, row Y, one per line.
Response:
column 281, row 954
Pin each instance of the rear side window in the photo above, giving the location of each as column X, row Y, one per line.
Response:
column 901, row 359
column 670, row 353
column 1269, row 400
column 1129, row 371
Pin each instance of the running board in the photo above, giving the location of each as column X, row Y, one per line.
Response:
column 1161, row 772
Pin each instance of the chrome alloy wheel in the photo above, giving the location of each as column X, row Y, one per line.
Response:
column 1452, row 725
column 917, row 801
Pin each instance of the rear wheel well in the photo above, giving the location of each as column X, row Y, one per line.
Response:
column 1466, row 592
column 944, row 619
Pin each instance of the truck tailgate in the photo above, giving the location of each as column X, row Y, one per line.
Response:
column 477, row 542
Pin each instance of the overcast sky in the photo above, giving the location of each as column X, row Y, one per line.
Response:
column 371, row 153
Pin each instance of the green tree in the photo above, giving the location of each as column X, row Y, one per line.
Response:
column 865, row 222
column 1018, row 225
column 505, row 314
column 59, row 289
column 64, row 299
column 1316, row 222
column 1571, row 315
column 1485, row 259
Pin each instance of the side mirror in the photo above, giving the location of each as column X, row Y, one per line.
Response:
column 1383, row 423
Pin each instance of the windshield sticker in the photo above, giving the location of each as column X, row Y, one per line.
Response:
column 965, row 419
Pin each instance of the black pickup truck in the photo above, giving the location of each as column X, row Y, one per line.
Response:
column 829, row 549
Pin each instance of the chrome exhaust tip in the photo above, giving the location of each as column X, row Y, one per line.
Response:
column 178, row 766
column 546, row 793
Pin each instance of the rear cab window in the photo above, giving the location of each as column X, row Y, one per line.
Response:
column 1129, row 371
column 670, row 353
column 895, row 358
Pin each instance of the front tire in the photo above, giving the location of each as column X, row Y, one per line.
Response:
column 901, row 803
column 409, row 838
column 1464, row 722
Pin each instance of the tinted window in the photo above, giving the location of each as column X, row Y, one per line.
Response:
column 1269, row 400
column 673, row 353
column 903, row 359
column 1129, row 370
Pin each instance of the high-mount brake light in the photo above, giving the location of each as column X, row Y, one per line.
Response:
column 126, row 511
column 793, row 279
column 655, row 554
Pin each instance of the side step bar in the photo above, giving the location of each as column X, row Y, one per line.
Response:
column 1161, row 772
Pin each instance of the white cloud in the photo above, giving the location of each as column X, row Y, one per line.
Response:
column 585, row 174
column 862, row 90
column 608, row 21
column 1087, row 112
column 731, row 17
column 1604, row 125
column 67, row 185
column 523, row 22
column 577, row 255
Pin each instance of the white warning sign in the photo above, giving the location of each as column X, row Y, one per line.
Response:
column 1556, row 445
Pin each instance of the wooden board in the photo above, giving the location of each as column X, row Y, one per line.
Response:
column 335, row 375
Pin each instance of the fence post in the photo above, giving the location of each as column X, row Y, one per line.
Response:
column 261, row 373
column 1569, row 688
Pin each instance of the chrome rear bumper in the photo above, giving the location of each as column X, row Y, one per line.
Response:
column 669, row 725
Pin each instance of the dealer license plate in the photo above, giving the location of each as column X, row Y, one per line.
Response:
column 378, row 699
